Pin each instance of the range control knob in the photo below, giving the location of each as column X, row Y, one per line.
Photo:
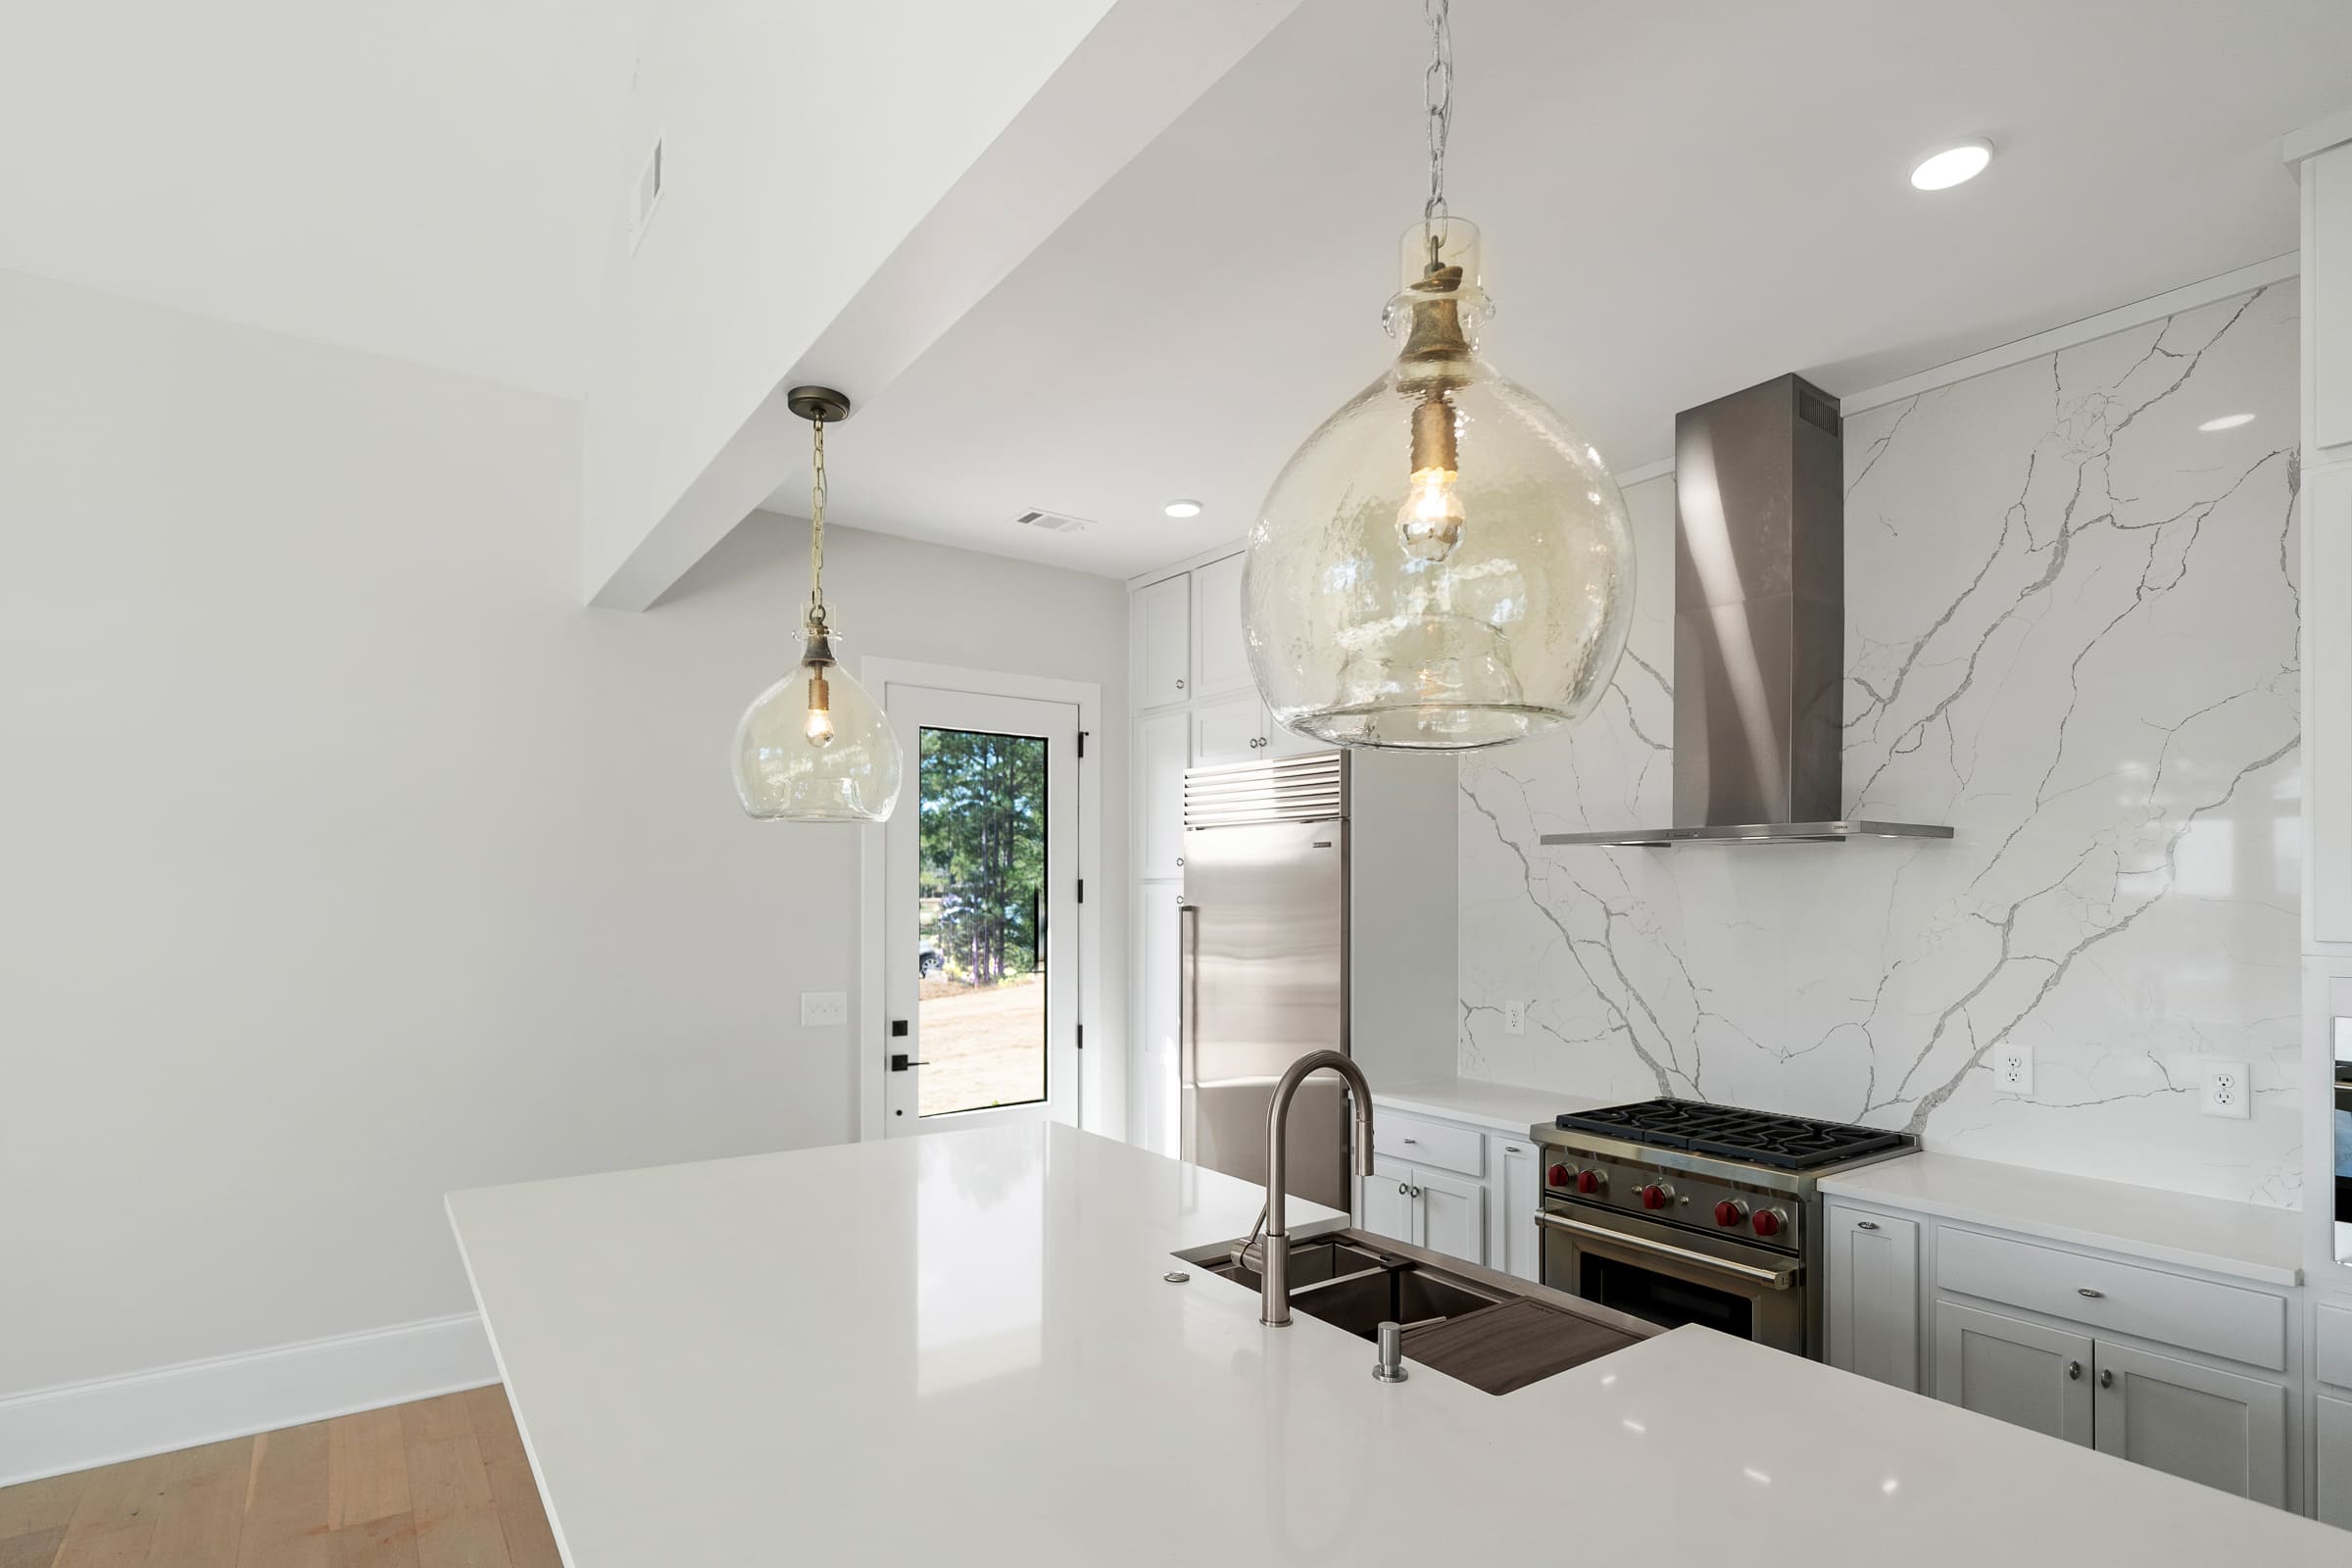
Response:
column 1558, row 1176
column 1590, row 1181
column 1656, row 1195
column 1731, row 1211
column 1768, row 1221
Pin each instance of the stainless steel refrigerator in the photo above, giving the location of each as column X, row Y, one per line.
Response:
column 1265, row 972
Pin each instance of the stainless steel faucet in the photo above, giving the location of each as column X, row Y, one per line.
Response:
column 1275, row 1289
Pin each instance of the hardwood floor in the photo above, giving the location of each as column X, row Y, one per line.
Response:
column 439, row 1484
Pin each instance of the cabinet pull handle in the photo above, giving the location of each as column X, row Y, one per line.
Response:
column 2086, row 1290
column 1866, row 1224
column 2074, row 1371
column 1412, row 1140
column 2106, row 1377
column 1510, row 1149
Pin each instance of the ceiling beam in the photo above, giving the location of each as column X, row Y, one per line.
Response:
column 1140, row 66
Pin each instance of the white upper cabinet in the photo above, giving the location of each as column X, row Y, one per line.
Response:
column 1160, row 642
column 1229, row 729
column 1220, row 658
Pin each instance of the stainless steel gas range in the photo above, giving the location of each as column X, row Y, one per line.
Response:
column 1682, row 1212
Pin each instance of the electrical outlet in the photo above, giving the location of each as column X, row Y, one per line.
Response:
column 819, row 1008
column 2227, row 1092
column 2013, row 1069
column 1514, row 1017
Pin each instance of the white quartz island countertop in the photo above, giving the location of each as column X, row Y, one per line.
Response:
column 959, row 1349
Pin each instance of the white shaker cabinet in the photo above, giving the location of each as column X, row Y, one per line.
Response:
column 2191, row 1421
column 1220, row 655
column 1159, row 926
column 1159, row 636
column 1873, row 1264
column 1515, row 1191
column 1421, row 1207
column 1229, row 729
column 2026, row 1373
column 2333, row 1504
column 1162, row 751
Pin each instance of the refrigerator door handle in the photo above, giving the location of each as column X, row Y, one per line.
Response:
column 1188, row 927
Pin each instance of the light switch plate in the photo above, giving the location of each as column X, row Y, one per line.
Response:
column 822, row 1007
column 2227, row 1092
column 2013, row 1069
column 1514, row 1017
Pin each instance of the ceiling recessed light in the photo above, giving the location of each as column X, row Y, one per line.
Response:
column 2228, row 421
column 1942, row 171
column 1182, row 509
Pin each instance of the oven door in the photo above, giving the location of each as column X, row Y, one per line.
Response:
column 1666, row 1276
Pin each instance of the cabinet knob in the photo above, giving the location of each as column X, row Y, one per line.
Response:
column 2074, row 1371
column 2106, row 1377
column 1180, row 685
column 1402, row 1189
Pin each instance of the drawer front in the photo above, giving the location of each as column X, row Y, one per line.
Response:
column 2331, row 1355
column 1430, row 1143
column 2222, row 1320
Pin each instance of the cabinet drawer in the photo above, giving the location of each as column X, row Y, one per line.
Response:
column 1430, row 1143
column 2331, row 1354
column 2195, row 1314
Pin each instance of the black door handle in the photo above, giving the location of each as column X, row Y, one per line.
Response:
column 900, row 1062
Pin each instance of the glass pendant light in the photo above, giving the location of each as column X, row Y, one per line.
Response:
column 1445, row 564
column 816, row 747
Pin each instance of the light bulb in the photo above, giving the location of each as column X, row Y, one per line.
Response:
column 1430, row 522
column 820, row 728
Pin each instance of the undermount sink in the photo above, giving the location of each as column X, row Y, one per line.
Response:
column 1355, row 1288
column 1489, row 1329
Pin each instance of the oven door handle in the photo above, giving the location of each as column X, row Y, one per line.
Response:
column 1778, row 1279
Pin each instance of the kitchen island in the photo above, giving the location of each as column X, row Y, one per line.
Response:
column 961, row 1348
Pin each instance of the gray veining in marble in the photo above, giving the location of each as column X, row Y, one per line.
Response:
column 2072, row 633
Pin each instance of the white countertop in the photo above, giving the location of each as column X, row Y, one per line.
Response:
column 959, row 1348
column 2250, row 1240
column 1506, row 1107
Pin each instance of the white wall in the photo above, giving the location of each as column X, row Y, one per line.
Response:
column 348, row 860
column 2071, row 634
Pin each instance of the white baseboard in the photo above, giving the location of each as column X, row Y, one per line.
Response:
column 71, row 1427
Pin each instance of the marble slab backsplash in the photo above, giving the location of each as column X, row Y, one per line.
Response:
column 2072, row 626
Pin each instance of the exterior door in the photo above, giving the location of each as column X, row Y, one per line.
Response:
column 980, row 968
column 2021, row 1373
column 2193, row 1422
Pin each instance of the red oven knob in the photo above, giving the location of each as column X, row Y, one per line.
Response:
column 1731, row 1211
column 1557, row 1176
column 1590, row 1181
column 1655, row 1195
column 1768, row 1221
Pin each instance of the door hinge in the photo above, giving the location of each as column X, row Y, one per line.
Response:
column 1082, row 1037
column 1082, row 743
column 1082, row 890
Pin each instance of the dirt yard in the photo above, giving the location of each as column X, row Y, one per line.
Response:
column 982, row 1046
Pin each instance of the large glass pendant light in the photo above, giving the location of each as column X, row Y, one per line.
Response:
column 1444, row 564
column 816, row 747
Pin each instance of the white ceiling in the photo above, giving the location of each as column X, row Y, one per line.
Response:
column 428, row 180
column 1678, row 199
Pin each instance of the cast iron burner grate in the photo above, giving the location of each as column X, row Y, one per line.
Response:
column 1785, row 1143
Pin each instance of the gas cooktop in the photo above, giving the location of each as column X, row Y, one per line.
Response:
column 1784, row 1143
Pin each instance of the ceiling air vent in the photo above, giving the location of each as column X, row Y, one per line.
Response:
column 1052, row 522
column 646, row 197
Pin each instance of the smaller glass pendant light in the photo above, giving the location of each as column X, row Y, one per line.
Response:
column 1444, row 564
column 816, row 747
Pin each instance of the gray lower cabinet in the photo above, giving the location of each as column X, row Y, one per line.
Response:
column 2192, row 1421
column 1516, row 1192
column 1873, row 1267
column 2334, row 1505
column 2026, row 1373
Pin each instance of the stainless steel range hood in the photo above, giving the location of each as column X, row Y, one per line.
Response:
column 1759, row 628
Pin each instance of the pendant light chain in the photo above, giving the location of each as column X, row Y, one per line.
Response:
column 1437, row 99
column 817, row 526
